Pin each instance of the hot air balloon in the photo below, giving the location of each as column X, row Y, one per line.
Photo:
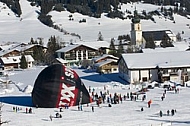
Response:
column 58, row 86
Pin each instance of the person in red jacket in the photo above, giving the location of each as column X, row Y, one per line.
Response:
column 149, row 102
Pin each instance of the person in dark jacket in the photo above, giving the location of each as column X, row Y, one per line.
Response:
column 92, row 108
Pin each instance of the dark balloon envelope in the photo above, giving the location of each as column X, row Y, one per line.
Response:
column 58, row 86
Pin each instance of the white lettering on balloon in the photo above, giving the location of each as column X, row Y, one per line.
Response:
column 66, row 94
column 69, row 72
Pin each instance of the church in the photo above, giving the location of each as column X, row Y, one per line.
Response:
column 139, row 37
column 137, row 68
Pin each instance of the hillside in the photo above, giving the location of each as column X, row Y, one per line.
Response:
column 21, row 29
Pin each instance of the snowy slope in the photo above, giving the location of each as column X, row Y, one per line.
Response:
column 27, row 26
column 21, row 29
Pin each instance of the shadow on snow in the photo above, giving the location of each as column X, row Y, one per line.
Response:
column 105, row 78
column 17, row 100
column 173, row 122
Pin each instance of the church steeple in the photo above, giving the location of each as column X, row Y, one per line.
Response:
column 136, row 31
column 135, row 18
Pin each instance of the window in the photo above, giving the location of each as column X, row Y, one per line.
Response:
column 144, row 79
column 165, row 71
column 184, row 69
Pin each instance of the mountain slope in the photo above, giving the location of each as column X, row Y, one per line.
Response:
column 21, row 29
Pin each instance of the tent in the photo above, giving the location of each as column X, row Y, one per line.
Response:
column 59, row 86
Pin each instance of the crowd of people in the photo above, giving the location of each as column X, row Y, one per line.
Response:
column 104, row 96
column 116, row 98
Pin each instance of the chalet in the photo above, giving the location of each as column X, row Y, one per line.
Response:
column 159, row 66
column 102, row 46
column 7, row 53
column 105, row 64
column 77, row 52
column 14, row 62
column 16, row 50
column 103, row 58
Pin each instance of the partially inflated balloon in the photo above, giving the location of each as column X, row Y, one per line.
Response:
column 58, row 86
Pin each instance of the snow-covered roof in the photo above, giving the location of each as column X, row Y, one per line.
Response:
column 156, row 50
column 16, row 59
column 104, row 56
column 61, row 60
column 105, row 62
column 17, row 47
column 160, row 59
column 70, row 47
column 181, row 46
column 95, row 44
column 67, row 48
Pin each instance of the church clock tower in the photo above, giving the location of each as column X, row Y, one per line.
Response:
column 136, row 31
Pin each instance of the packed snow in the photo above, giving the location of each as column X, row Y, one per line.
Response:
column 17, row 94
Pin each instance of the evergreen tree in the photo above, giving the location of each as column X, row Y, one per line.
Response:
column 130, row 49
column 23, row 63
column 128, row 38
column 120, row 49
column 52, row 46
column 178, row 37
column 150, row 42
column 38, row 54
column 112, row 48
column 100, row 37
column 40, row 42
column 31, row 41
column 166, row 42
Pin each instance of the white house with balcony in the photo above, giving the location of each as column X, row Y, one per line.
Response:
column 76, row 52
column 158, row 66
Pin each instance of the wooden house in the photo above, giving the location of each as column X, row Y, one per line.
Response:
column 76, row 53
column 105, row 64
column 14, row 62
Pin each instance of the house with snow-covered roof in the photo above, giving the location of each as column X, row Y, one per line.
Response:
column 102, row 46
column 14, row 62
column 16, row 50
column 76, row 52
column 160, row 67
column 105, row 63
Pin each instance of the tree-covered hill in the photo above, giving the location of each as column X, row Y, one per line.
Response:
column 95, row 8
